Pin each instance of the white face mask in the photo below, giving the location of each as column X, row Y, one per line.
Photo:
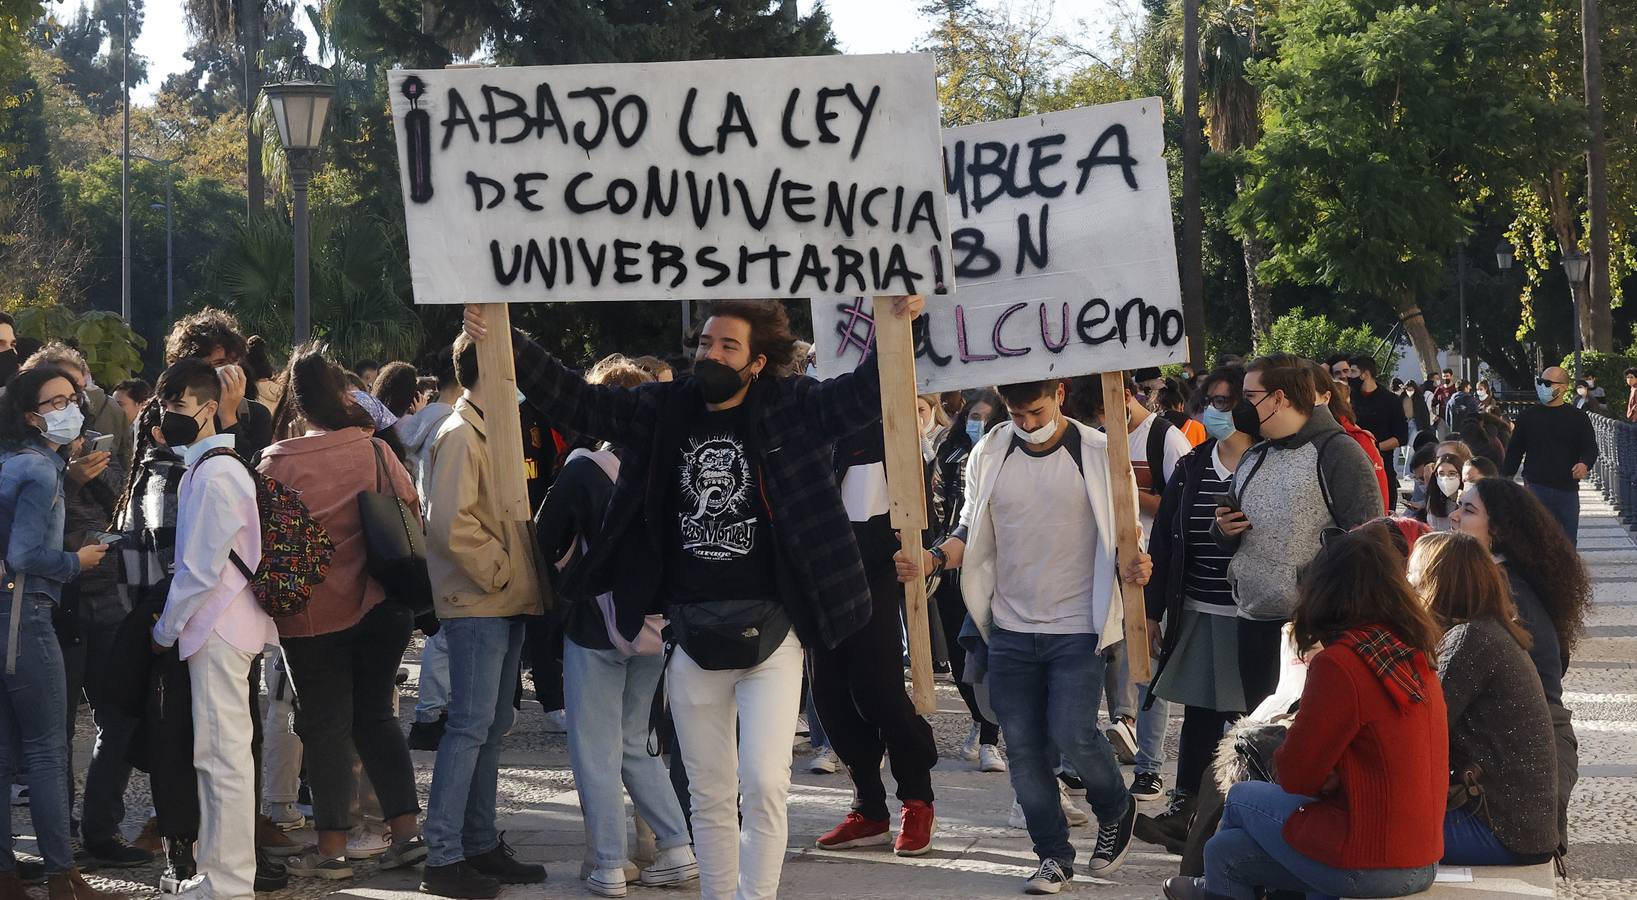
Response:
column 1040, row 435
column 1450, row 485
column 63, row 425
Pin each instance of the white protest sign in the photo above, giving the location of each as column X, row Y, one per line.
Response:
column 1063, row 249
column 738, row 179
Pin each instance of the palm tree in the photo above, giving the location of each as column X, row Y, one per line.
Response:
column 1229, row 40
column 218, row 21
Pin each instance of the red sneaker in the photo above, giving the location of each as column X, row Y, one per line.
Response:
column 856, row 831
column 915, row 831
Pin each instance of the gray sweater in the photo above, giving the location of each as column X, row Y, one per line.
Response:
column 1498, row 720
column 1279, row 489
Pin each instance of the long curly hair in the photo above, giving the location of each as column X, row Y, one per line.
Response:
column 1537, row 550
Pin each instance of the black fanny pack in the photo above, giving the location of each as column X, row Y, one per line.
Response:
column 729, row 634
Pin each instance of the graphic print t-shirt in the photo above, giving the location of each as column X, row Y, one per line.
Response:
column 721, row 546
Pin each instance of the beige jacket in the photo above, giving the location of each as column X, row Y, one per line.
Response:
column 478, row 567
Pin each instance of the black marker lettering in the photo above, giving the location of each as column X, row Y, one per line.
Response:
column 850, row 262
column 790, row 138
column 1039, row 162
column 802, row 197
column 772, row 255
column 758, row 222
column 1094, row 313
column 823, row 116
column 667, row 256
column 572, row 200
column 625, row 133
column 734, row 121
column 625, row 263
column 458, row 115
column 525, row 194
column 656, row 198
column 810, row 267
column 502, row 274
column 865, row 110
column 1122, row 157
column 978, row 261
column 546, row 114
column 478, row 183
column 838, row 210
column 1029, row 248
column 682, row 128
column 594, row 265
column 706, row 257
column 622, row 195
column 596, row 96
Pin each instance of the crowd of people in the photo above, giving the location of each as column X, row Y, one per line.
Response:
column 231, row 563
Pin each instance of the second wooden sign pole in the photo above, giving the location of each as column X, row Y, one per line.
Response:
column 906, row 483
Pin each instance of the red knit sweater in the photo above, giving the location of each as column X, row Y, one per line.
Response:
column 1393, row 765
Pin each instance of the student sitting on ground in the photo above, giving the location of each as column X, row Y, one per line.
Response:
column 1502, row 778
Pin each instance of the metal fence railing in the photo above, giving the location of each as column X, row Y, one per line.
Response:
column 1616, row 471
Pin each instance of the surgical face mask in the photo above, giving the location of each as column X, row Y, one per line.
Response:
column 1040, row 435
column 1546, row 393
column 63, row 425
column 974, row 429
column 1483, row 395
column 1218, row 424
column 1450, row 485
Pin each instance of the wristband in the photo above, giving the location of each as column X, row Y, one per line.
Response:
column 941, row 557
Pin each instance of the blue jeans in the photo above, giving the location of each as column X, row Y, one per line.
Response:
column 1152, row 723
column 1040, row 684
column 33, row 707
column 607, row 749
column 460, row 810
column 1249, row 851
column 1469, row 841
column 434, row 683
column 815, row 728
column 1563, row 504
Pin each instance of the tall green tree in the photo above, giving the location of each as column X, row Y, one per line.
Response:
column 1383, row 122
column 92, row 72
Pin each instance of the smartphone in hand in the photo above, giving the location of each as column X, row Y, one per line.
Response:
column 1226, row 499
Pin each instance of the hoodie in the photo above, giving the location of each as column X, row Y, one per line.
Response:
column 1291, row 490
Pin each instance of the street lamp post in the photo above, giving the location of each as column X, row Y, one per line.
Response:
column 1576, row 265
column 300, row 108
column 1460, row 289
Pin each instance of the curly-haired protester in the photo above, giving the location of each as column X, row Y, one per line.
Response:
column 728, row 516
column 213, row 335
column 1552, row 592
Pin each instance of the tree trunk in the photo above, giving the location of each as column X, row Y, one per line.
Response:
column 255, row 186
column 1193, row 279
column 1415, row 325
column 1600, row 315
column 1257, row 295
column 1564, row 226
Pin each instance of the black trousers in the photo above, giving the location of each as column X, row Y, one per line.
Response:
column 85, row 663
column 1201, row 733
column 858, row 691
column 345, row 682
column 1259, row 646
column 952, row 615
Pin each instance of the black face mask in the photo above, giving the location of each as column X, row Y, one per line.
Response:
column 8, row 365
column 718, row 382
column 178, row 429
column 1246, row 420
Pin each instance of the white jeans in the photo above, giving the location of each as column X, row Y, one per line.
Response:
column 737, row 860
column 222, row 732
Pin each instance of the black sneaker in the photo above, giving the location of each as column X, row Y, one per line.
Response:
column 1048, row 879
column 1113, row 842
column 460, row 881
column 1147, row 786
column 114, row 853
column 427, row 735
column 31, row 872
column 271, row 875
column 501, row 865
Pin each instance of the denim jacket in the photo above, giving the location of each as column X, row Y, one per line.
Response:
column 31, row 520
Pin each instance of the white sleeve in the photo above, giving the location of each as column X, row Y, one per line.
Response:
column 221, row 506
column 1176, row 447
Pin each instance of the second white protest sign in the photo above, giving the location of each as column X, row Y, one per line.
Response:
column 800, row 177
column 1063, row 248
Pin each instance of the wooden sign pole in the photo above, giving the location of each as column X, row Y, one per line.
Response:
column 1129, row 539
column 496, row 395
column 906, row 485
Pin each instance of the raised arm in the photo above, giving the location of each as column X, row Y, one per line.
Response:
column 612, row 414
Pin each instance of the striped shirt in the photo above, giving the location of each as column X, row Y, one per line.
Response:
column 1205, row 575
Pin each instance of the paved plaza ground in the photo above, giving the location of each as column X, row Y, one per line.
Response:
column 975, row 854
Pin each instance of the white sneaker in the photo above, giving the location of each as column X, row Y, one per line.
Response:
column 1015, row 819
column 606, row 882
column 286, row 816
column 589, row 865
column 990, row 760
column 969, row 747
column 557, row 722
column 1124, row 740
column 1074, row 814
column 801, row 726
column 672, row 866
column 823, row 762
column 367, row 842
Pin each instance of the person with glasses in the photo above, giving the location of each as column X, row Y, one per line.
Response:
column 1554, row 446
column 39, row 415
column 1305, row 477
